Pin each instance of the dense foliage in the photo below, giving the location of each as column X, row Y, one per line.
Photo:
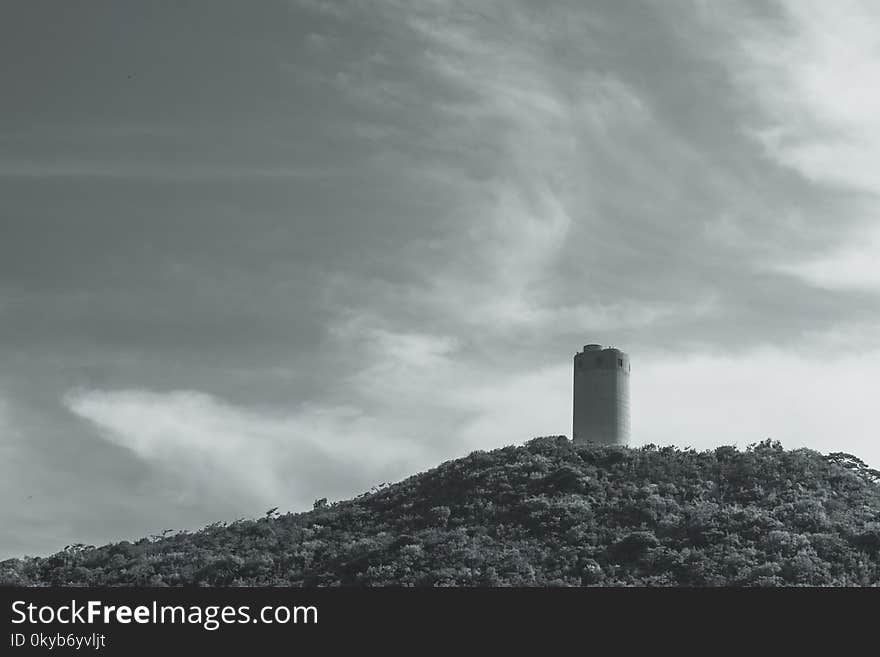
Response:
column 546, row 513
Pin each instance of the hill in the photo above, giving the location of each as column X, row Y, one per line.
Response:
column 546, row 513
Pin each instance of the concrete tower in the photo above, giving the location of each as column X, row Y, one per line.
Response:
column 601, row 396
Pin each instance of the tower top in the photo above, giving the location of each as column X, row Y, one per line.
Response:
column 598, row 347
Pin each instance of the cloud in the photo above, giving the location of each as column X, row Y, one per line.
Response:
column 532, row 155
column 265, row 458
column 807, row 71
column 852, row 266
column 814, row 80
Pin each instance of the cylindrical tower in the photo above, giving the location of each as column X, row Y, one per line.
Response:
column 601, row 396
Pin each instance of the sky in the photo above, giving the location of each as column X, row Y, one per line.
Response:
column 256, row 254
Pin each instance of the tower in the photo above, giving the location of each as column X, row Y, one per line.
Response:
column 601, row 396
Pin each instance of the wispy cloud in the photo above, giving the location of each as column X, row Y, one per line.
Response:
column 267, row 458
column 810, row 73
column 813, row 76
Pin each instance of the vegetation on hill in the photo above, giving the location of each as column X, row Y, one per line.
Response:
column 546, row 513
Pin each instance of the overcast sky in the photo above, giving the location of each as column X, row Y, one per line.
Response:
column 258, row 253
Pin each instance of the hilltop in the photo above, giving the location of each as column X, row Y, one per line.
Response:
column 545, row 513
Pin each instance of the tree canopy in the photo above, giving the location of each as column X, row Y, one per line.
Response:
column 547, row 513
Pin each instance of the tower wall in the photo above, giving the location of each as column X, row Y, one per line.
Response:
column 601, row 396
